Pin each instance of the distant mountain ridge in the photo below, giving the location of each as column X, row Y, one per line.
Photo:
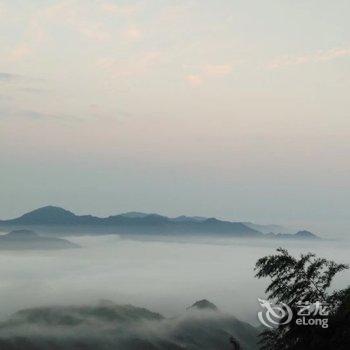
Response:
column 56, row 218
column 276, row 229
column 30, row 240
column 304, row 234
column 133, row 222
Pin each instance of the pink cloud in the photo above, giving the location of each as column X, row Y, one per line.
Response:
column 2, row 10
column 194, row 80
column 68, row 13
column 19, row 52
column 132, row 33
column 217, row 69
column 133, row 66
column 316, row 57
column 206, row 71
column 125, row 10
column 75, row 15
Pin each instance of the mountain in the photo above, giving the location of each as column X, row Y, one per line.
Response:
column 305, row 235
column 53, row 218
column 300, row 235
column 134, row 214
column 109, row 326
column 184, row 218
column 269, row 228
column 51, row 215
column 47, row 215
column 26, row 239
column 203, row 304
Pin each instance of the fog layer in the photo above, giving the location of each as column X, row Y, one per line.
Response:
column 162, row 275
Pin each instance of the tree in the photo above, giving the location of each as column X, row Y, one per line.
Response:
column 299, row 281
column 235, row 343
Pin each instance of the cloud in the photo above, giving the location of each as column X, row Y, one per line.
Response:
column 5, row 97
column 217, row 69
column 84, row 18
column 207, row 71
column 124, row 10
column 34, row 90
column 194, row 80
column 21, row 83
column 35, row 115
column 316, row 57
column 138, row 65
column 34, row 35
column 8, row 77
column 76, row 15
column 132, row 33
column 20, row 51
column 2, row 10
column 14, row 112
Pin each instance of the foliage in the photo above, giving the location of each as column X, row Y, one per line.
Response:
column 307, row 279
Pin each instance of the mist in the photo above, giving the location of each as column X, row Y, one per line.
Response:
column 165, row 275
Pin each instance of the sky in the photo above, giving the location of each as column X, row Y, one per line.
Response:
column 234, row 109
